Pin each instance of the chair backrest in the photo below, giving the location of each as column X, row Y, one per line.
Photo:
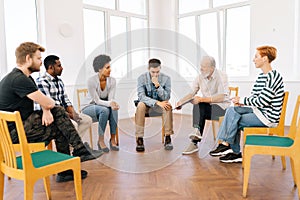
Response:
column 234, row 90
column 8, row 153
column 293, row 128
column 80, row 92
column 281, row 122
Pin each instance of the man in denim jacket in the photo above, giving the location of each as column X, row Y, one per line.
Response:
column 154, row 89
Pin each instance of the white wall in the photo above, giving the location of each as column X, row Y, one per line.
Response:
column 62, row 30
column 273, row 23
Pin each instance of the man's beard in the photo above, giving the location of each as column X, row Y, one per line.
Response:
column 205, row 75
column 33, row 69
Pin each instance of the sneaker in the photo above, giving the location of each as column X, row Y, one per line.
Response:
column 140, row 145
column 192, row 148
column 196, row 135
column 86, row 153
column 231, row 158
column 221, row 150
column 68, row 176
column 168, row 143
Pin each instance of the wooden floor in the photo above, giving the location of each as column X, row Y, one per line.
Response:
column 157, row 174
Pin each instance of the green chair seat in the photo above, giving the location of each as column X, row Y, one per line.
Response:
column 266, row 140
column 43, row 158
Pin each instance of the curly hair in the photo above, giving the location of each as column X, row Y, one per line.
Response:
column 100, row 61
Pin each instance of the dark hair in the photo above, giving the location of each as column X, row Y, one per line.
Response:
column 100, row 61
column 27, row 48
column 154, row 63
column 50, row 60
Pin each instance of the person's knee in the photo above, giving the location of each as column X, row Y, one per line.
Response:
column 86, row 119
column 58, row 111
column 105, row 111
column 141, row 106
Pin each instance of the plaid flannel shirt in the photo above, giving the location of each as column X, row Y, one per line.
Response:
column 54, row 88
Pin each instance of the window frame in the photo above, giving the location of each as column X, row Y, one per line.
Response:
column 107, row 30
column 220, row 10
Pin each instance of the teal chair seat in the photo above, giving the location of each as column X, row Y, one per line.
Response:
column 44, row 158
column 266, row 140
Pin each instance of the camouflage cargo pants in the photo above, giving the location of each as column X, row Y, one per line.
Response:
column 61, row 130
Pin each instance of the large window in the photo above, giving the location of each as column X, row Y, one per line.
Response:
column 119, row 32
column 94, row 34
column 213, row 27
column 209, row 35
column 139, row 45
column 187, row 28
column 186, row 6
column 19, row 28
column 133, row 6
column 101, row 3
column 238, row 42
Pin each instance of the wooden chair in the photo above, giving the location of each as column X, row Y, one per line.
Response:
column 155, row 115
column 275, row 145
column 278, row 130
column 233, row 91
column 31, row 161
column 83, row 92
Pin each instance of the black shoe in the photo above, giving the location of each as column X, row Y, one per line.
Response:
column 221, row 150
column 168, row 143
column 68, row 176
column 86, row 153
column 231, row 158
column 113, row 148
column 105, row 149
column 140, row 145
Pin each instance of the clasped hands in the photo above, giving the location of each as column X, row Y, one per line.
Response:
column 164, row 105
column 114, row 105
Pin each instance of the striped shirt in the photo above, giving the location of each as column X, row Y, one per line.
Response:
column 267, row 97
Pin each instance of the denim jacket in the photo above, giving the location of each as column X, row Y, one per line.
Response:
column 146, row 90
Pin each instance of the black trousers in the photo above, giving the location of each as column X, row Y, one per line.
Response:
column 61, row 130
column 206, row 111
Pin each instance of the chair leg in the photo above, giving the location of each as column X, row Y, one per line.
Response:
column 28, row 189
column 47, row 186
column 213, row 128
column 162, row 130
column 293, row 171
column 77, row 181
column 1, row 185
column 91, row 137
column 247, row 165
column 283, row 162
column 296, row 171
column 117, row 136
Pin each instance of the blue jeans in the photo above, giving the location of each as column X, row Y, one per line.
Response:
column 235, row 119
column 102, row 114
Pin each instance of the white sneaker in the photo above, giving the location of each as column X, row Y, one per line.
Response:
column 196, row 135
column 192, row 148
